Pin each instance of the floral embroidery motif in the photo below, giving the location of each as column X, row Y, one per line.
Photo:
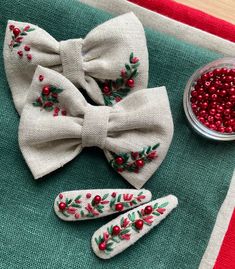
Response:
column 133, row 161
column 49, row 98
column 96, row 205
column 128, row 226
column 17, row 39
column 114, row 91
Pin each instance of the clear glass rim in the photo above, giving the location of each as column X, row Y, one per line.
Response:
column 194, row 122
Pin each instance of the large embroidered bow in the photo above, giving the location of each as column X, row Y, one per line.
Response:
column 57, row 122
column 110, row 62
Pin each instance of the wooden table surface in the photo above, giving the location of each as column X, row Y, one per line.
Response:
column 224, row 9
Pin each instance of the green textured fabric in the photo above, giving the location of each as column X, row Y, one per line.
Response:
column 197, row 171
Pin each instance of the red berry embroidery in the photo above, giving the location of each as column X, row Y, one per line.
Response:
column 41, row 77
column 97, row 199
column 17, row 39
column 135, row 221
column 133, row 161
column 49, row 99
column 213, row 99
column 115, row 91
column 119, row 207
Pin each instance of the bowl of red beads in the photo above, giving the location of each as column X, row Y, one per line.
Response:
column 209, row 100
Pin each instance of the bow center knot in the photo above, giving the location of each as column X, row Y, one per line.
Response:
column 71, row 58
column 95, row 126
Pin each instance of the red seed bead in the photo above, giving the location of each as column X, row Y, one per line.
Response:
column 148, row 209
column 214, row 96
column 228, row 104
column 194, row 93
column 102, row 246
column 16, row 31
column 199, row 97
column 202, row 113
column 212, row 89
column 204, row 105
column 139, row 224
column 200, row 91
column 232, row 91
column 62, row 206
column 119, row 160
column 212, row 111
column 232, row 98
column 227, row 111
column 207, row 84
column 221, row 129
column 97, row 199
column 119, row 207
column 213, row 104
column 218, row 123
column 116, row 230
column 212, row 127
column 210, row 118
column 139, row 163
column 229, row 129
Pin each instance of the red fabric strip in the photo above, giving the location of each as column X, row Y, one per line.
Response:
column 226, row 257
column 190, row 16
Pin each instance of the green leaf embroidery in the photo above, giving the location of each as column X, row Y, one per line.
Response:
column 131, row 57
column 156, row 146
column 76, row 205
column 112, row 202
column 105, row 196
column 30, row 30
column 119, row 198
column 78, row 197
column 163, row 205
column 125, row 231
column 156, row 213
column 155, row 206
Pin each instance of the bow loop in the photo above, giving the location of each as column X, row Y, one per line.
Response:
column 95, row 126
column 109, row 63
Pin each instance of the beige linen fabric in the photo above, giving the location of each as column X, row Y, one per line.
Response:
column 141, row 119
column 101, row 55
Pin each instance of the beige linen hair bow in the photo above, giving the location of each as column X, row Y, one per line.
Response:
column 110, row 62
column 57, row 123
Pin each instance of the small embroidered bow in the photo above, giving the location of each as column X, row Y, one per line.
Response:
column 109, row 63
column 57, row 123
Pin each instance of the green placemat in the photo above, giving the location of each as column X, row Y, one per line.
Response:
column 196, row 170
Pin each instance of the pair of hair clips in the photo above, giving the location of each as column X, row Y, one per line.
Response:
column 123, row 231
column 133, row 125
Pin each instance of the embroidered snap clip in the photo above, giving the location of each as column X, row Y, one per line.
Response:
column 122, row 232
column 90, row 204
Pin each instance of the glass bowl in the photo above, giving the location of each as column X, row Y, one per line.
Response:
column 209, row 102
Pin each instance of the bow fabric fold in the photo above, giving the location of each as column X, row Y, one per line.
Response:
column 57, row 122
column 109, row 63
